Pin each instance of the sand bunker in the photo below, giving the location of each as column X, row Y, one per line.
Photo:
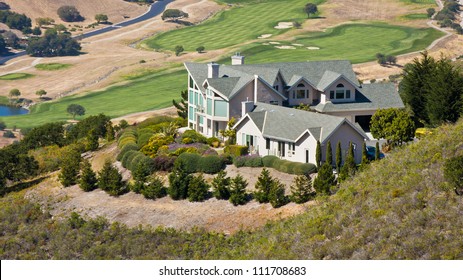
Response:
column 274, row 43
column 266, row 44
column 284, row 25
column 264, row 36
column 298, row 45
column 313, row 48
column 286, row 47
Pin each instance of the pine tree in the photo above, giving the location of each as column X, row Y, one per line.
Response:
column 110, row 180
column 301, row 189
column 92, row 140
column 198, row 189
column 276, row 195
column 318, row 154
column 182, row 106
column 221, row 185
column 350, row 167
column 338, row 157
column 329, row 153
column 238, row 195
column 154, row 189
column 263, row 185
column 179, row 181
column 110, row 133
column 88, row 181
column 70, row 168
column 142, row 171
column 325, row 179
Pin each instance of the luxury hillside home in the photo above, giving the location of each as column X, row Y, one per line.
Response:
column 219, row 92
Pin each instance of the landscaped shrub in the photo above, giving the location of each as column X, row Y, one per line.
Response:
column 248, row 161
column 263, row 185
column 132, row 164
column 87, row 181
column 211, row 164
column 126, row 140
column 268, row 161
column 304, row 169
column 198, row 189
column 110, row 180
column 276, row 196
column 236, row 150
column 155, row 142
column 144, row 137
column 227, row 158
column 213, row 142
column 125, row 149
column 238, row 195
column 154, row 189
column 154, row 121
column 221, row 185
column 191, row 136
column 179, row 181
column 210, row 152
column 190, row 162
column 128, row 157
column 163, row 163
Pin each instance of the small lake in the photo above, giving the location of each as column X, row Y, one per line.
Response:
column 6, row 111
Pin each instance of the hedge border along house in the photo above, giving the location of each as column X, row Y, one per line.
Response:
column 292, row 134
column 216, row 93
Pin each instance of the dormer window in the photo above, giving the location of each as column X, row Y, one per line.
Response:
column 301, row 92
column 340, row 93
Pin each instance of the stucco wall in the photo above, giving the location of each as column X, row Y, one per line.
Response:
column 266, row 94
column 247, row 93
column 347, row 85
column 308, row 100
column 344, row 134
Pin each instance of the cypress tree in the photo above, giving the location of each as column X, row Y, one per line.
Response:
column 301, row 189
column 110, row 134
column 329, row 153
column 92, row 140
column 338, row 157
column 88, row 181
column 349, row 166
column 198, row 189
column 70, row 168
column 364, row 154
column 238, row 195
column 276, row 194
column 325, row 179
column 318, row 154
column 179, row 181
column 110, row 180
column 221, row 185
column 263, row 185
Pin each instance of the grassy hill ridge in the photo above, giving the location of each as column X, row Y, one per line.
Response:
column 398, row 208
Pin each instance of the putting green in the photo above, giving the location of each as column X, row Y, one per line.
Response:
column 16, row 76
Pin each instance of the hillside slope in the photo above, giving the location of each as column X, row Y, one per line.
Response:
column 115, row 9
column 398, row 208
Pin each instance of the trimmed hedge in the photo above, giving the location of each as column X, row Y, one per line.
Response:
column 236, row 150
column 211, row 164
column 248, row 161
column 127, row 158
column 190, row 162
column 125, row 149
column 191, row 136
column 163, row 163
column 289, row 167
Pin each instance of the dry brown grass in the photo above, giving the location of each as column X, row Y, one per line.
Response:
column 114, row 9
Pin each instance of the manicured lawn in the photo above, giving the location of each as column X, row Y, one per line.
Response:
column 355, row 42
column 4, row 100
column 16, row 76
column 234, row 26
column 52, row 66
column 148, row 93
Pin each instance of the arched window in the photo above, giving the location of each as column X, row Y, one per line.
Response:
column 302, row 92
column 340, row 93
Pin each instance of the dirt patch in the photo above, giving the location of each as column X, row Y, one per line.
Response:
column 4, row 141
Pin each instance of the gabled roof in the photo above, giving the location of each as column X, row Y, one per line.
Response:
column 287, row 124
column 319, row 73
column 368, row 97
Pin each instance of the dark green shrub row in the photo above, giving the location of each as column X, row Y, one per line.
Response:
column 248, row 161
column 191, row 136
column 289, row 167
column 236, row 150
column 154, row 121
column 125, row 149
column 195, row 163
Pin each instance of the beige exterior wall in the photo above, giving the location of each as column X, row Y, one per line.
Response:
column 247, row 93
column 265, row 94
column 347, row 85
column 344, row 134
column 350, row 115
column 295, row 101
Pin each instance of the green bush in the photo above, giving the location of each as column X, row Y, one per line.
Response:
column 192, row 136
column 211, row 164
column 304, row 169
column 236, row 150
column 126, row 140
column 155, row 120
column 125, row 149
column 198, row 189
column 128, row 157
column 213, row 142
column 154, row 189
column 133, row 163
column 253, row 161
column 144, row 138
column 190, row 162
column 239, row 161
column 268, row 161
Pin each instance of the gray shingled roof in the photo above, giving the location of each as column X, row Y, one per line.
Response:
column 288, row 124
column 316, row 72
column 371, row 97
column 327, row 79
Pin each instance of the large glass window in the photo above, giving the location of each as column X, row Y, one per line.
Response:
column 191, row 82
column 209, row 106
column 300, row 94
column 220, row 108
column 341, row 93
